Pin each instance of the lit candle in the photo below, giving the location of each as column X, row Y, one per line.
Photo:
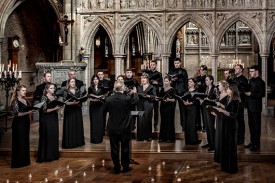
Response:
column 10, row 73
column 20, row 74
column 0, row 67
column 15, row 67
column 12, row 67
column 15, row 74
column 3, row 67
column 5, row 74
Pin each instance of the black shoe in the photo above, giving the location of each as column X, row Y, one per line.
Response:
column 248, row 146
column 254, row 148
column 149, row 140
column 205, row 146
column 240, row 142
column 211, row 149
column 156, row 129
column 128, row 169
column 116, row 171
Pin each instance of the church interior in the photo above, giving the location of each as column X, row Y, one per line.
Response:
column 88, row 36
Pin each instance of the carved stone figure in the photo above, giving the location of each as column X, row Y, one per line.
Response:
column 110, row 3
column 123, row 4
column 102, row 4
column 92, row 4
column 171, row 3
column 132, row 3
column 141, row 3
column 158, row 3
column 149, row 3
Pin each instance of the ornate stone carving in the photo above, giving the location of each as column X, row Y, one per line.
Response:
column 123, row 4
column 92, row 4
column 102, row 4
column 207, row 17
column 110, row 4
column 149, row 3
column 124, row 18
column 171, row 18
column 157, row 19
column 159, row 3
column 221, row 17
column 257, row 16
column 132, row 3
column 141, row 3
column 110, row 18
column 271, row 16
column 171, row 3
column 88, row 19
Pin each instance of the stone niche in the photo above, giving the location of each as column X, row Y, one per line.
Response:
column 59, row 71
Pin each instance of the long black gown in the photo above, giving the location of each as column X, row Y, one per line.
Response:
column 167, row 117
column 48, row 148
column 20, row 136
column 218, row 132
column 73, row 132
column 144, row 128
column 229, row 162
column 96, row 111
column 192, row 111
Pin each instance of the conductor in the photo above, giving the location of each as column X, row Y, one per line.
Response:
column 119, row 125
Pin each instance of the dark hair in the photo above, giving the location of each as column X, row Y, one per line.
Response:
column 204, row 67
column 70, row 81
column 177, row 59
column 128, row 69
column 44, row 75
column 120, row 76
column 240, row 65
column 194, row 80
column 256, row 67
column 154, row 61
column 235, row 93
column 92, row 79
column 211, row 78
column 167, row 77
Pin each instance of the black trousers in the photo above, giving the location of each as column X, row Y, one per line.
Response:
column 254, row 123
column 156, row 113
column 241, row 124
column 120, row 141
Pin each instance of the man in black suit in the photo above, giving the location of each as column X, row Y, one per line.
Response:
column 47, row 77
column 155, row 79
column 180, row 84
column 120, row 125
column 72, row 75
column 254, row 107
column 129, row 80
column 104, row 83
column 241, row 82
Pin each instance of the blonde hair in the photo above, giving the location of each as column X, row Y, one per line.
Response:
column 15, row 95
column 47, row 86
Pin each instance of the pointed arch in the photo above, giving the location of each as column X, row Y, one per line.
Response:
column 270, row 34
column 10, row 5
column 181, row 21
column 127, row 29
column 88, row 37
column 243, row 18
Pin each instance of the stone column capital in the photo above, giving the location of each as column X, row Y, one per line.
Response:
column 119, row 55
column 165, row 54
column 1, row 40
column 264, row 54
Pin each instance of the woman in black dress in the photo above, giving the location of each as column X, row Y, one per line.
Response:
column 96, row 110
column 192, row 111
column 20, row 128
column 222, row 100
column 73, row 132
column 229, row 162
column 147, row 95
column 48, row 148
column 167, row 112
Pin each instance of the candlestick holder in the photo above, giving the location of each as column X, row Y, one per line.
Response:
column 8, row 80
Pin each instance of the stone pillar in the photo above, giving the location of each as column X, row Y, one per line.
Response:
column 1, row 41
column 214, row 61
column 264, row 57
column 67, row 49
column 165, row 63
column 119, row 64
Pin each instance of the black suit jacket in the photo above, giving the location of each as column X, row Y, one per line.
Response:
column 39, row 91
column 241, row 83
column 181, row 84
column 119, row 108
column 254, row 101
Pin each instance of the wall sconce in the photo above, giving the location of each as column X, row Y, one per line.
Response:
column 97, row 42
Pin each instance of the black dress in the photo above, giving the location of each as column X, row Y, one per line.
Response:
column 144, row 126
column 48, row 148
column 229, row 162
column 20, row 137
column 96, row 111
column 218, row 132
column 73, row 132
column 192, row 111
column 167, row 117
